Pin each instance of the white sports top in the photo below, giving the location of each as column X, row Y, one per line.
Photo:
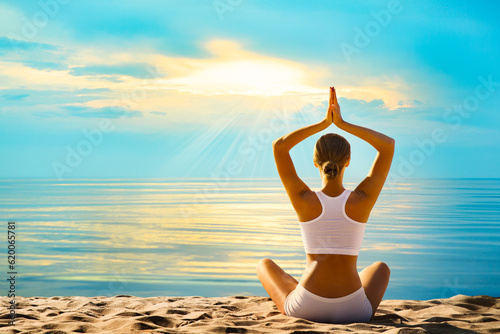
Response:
column 332, row 232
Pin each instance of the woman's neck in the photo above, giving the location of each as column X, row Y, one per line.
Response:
column 333, row 187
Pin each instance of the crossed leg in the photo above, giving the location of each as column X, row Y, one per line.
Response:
column 375, row 279
column 279, row 284
column 276, row 281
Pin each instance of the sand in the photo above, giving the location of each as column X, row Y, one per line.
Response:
column 238, row 314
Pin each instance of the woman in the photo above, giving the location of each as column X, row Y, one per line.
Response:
column 332, row 222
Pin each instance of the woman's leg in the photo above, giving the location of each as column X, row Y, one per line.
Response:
column 374, row 279
column 277, row 283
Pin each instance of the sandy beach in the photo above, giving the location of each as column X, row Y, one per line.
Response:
column 238, row 314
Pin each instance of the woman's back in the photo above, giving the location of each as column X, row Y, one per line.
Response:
column 331, row 240
column 357, row 207
column 332, row 232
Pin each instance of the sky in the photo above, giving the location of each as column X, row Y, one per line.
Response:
column 166, row 89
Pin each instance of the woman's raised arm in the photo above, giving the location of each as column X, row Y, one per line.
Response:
column 286, row 142
column 371, row 186
column 294, row 186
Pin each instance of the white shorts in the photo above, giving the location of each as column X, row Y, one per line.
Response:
column 354, row 307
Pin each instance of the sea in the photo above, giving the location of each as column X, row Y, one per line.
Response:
column 204, row 237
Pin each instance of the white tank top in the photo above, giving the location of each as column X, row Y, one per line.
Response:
column 332, row 232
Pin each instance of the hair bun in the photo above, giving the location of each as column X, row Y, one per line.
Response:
column 331, row 169
column 331, row 153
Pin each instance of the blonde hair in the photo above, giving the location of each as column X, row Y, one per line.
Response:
column 331, row 153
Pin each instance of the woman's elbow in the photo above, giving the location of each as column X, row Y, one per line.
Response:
column 388, row 145
column 391, row 145
column 277, row 143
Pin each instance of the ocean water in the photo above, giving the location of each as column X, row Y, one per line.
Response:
column 199, row 237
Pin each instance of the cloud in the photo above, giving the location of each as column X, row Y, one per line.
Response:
column 44, row 65
column 362, row 107
column 85, row 91
column 133, row 70
column 230, row 80
column 16, row 45
column 110, row 78
column 14, row 97
column 48, row 114
column 234, row 70
column 18, row 98
column 106, row 112
column 29, row 55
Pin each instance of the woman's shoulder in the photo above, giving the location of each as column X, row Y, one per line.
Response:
column 311, row 207
column 356, row 206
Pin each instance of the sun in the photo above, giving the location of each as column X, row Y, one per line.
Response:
column 236, row 71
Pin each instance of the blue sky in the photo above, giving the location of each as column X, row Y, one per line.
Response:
column 127, row 89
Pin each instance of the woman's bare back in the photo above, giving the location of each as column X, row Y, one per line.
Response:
column 331, row 275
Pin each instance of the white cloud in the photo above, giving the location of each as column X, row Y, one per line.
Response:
column 236, row 71
column 231, row 81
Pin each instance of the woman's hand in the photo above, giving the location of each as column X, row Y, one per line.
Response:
column 334, row 108
column 328, row 120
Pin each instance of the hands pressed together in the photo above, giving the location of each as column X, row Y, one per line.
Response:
column 333, row 113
